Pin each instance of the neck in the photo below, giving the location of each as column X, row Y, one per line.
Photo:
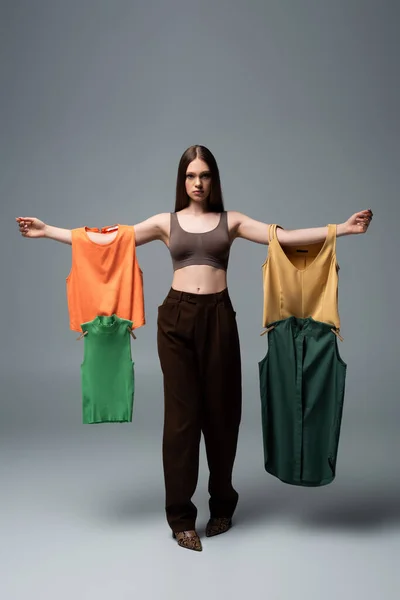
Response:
column 197, row 208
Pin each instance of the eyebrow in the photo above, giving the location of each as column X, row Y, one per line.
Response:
column 202, row 173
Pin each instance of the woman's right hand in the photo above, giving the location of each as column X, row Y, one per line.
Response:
column 31, row 227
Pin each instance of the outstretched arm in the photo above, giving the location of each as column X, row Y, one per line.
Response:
column 154, row 228
column 31, row 227
column 256, row 231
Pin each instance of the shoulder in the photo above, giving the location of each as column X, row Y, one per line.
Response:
column 235, row 216
column 153, row 228
column 162, row 217
column 160, row 221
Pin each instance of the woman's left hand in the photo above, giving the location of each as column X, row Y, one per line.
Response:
column 359, row 222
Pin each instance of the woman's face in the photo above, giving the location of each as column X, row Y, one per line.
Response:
column 198, row 180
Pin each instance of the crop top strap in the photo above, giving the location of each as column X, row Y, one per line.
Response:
column 224, row 219
column 174, row 223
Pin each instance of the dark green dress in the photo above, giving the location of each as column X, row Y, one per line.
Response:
column 302, row 383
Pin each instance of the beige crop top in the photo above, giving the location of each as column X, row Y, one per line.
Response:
column 301, row 281
column 208, row 248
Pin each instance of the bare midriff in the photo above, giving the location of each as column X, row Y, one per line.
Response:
column 199, row 279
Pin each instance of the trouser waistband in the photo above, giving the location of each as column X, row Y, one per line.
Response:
column 199, row 298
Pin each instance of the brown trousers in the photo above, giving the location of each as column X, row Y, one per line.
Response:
column 198, row 347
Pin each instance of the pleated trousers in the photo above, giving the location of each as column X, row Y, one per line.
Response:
column 199, row 352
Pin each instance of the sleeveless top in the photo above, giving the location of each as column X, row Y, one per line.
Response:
column 301, row 281
column 107, row 371
column 208, row 248
column 105, row 279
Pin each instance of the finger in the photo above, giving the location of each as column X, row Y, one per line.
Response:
column 363, row 214
column 25, row 219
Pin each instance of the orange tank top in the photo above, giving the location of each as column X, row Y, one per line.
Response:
column 105, row 279
column 301, row 281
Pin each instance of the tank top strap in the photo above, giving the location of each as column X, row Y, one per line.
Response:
column 272, row 231
column 79, row 233
column 332, row 232
column 330, row 242
column 224, row 219
column 174, row 223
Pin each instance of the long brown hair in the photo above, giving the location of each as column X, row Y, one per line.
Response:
column 215, row 201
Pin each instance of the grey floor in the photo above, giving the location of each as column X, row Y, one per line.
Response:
column 82, row 509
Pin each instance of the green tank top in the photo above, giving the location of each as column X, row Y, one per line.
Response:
column 107, row 371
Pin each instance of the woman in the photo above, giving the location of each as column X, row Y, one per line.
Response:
column 197, row 338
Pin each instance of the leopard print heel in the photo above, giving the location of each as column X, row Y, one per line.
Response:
column 188, row 539
column 217, row 525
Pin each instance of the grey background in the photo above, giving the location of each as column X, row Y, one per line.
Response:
column 298, row 100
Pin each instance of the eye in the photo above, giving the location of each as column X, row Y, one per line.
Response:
column 189, row 176
column 206, row 176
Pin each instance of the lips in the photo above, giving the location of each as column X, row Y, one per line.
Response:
column 197, row 193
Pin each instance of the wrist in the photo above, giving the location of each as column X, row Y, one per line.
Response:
column 47, row 231
column 342, row 229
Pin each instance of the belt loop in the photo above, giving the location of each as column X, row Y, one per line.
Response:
column 180, row 296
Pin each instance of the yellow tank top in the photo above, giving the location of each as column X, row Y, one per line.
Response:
column 301, row 281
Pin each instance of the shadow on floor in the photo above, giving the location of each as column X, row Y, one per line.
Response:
column 347, row 506
column 356, row 509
